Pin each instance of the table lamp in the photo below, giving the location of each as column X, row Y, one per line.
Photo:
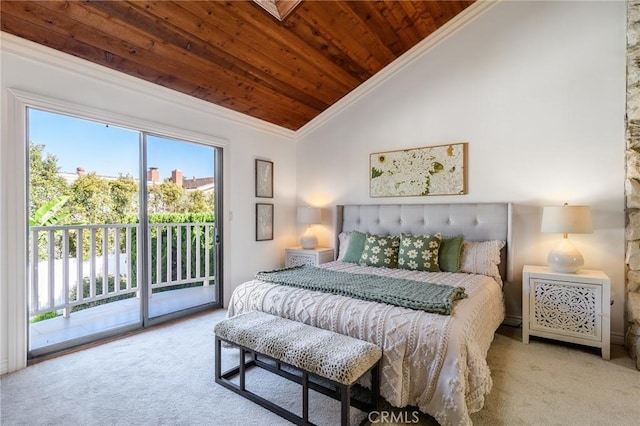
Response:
column 566, row 220
column 308, row 216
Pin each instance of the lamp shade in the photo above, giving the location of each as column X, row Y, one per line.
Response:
column 567, row 220
column 308, row 215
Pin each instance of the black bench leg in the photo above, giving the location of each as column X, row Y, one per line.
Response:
column 305, row 396
column 218, row 362
column 242, row 365
column 375, row 387
column 345, row 396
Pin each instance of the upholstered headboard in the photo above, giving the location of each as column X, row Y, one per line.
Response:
column 477, row 222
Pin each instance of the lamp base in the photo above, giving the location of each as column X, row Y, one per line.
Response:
column 308, row 241
column 565, row 258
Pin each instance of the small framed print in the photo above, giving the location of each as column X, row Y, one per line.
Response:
column 264, row 221
column 264, row 179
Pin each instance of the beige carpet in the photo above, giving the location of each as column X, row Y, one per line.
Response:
column 551, row 383
column 165, row 377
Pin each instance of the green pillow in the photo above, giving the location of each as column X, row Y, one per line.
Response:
column 450, row 254
column 380, row 251
column 355, row 247
column 419, row 252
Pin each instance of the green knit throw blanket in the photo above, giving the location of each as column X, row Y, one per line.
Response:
column 434, row 298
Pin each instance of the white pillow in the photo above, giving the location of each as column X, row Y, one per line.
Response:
column 482, row 257
column 343, row 241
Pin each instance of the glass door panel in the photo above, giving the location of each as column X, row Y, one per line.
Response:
column 181, row 230
column 83, row 208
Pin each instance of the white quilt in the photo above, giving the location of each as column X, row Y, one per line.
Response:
column 435, row 362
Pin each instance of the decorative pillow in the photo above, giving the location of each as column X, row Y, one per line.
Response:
column 482, row 257
column 355, row 247
column 450, row 254
column 343, row 243
column 419, row 252
column 380, row 251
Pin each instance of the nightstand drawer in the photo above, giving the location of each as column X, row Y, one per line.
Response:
column 297, row 259
column 298, row 256
column 570, row 309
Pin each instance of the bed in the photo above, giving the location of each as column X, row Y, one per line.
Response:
column 431, row 361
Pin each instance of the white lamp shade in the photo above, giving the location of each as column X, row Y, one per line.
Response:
column 308, row 215
column 567, row 220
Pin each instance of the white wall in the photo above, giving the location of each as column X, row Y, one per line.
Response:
column 47, row 73
column 537, row 89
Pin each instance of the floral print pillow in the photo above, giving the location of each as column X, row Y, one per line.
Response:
column 380, row 251
column 419, row 252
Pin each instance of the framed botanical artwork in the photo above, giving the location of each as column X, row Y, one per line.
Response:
column 264, row 179
column 431, row 170
column 264, row 221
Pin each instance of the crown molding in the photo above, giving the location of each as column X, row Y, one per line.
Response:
column 438, row 36
column 36, row 52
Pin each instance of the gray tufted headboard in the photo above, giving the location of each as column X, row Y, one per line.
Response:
column 477, row 222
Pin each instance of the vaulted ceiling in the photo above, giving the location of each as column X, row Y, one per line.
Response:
column 233, row 53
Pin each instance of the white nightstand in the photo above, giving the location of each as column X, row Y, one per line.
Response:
column 298, row 256
column 569, row 307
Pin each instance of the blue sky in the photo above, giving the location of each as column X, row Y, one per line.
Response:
column 110, row 150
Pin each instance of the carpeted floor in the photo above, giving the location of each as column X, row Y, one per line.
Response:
column 165, row 377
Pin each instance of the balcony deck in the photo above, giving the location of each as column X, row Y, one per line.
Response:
column 115, row 315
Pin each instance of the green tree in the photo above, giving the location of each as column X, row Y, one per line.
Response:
column 166, row 197
column 154, row 199
column 198, row 202
column 45, row 184
column 90, row 199
column 173, row 197
column 124, row 198
column 211, row 199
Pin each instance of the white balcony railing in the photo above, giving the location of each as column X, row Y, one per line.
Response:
column 73, row 265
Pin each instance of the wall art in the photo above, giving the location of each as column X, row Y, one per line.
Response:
column 264, row 221
column 431, row 170
column 264, row 179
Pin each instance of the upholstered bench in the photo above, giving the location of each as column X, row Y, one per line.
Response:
column 338, row 359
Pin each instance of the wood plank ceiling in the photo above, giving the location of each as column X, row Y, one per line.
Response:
column 233, row 53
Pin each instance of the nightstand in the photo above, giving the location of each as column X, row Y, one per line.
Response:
column 569, row 307
column 298, row 256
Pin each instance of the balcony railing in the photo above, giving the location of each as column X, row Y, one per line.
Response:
column 75, row 265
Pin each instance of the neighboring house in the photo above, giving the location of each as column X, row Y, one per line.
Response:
column 537, row 89
column 205, row 184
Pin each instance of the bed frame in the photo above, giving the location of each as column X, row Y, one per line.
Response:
column 477, row 222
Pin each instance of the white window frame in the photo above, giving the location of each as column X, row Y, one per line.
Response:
column 13, row 204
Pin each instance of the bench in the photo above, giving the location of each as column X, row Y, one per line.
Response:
column 309, row 351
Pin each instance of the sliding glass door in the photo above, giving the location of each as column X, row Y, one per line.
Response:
column 181, row 227
column 122, row 230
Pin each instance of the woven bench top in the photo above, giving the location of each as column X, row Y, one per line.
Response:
column 334, row 356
